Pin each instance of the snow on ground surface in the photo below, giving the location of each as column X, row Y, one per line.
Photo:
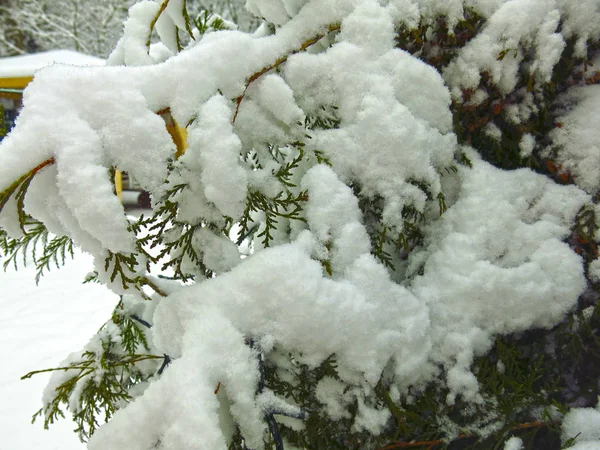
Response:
column 39, row 326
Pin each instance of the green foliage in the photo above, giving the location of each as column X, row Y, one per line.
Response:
column 517, row 378
column 585, row 234
column 205, row 22
column 297, row 382
column 36, row 239
column 96, row 383
column 173, row 238
column 286, row 205
column 122, row 266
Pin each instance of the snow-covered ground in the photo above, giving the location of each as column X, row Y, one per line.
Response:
column 39, row 327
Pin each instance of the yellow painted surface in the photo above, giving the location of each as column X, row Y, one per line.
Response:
column 15, row 83
column 119, row 184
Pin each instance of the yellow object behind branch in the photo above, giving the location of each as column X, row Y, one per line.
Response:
column 12, row 88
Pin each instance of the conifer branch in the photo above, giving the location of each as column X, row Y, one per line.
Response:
column 280, row 61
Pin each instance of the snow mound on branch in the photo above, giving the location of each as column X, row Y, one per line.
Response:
column 92, row 135
column 279, row 296
column 217, row 148
column 495, row 264
column 515, row 23
column 366, row 81
column 100, row 130
column 581, row 20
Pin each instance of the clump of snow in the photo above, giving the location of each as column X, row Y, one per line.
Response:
column 581, row 20
column 578, row 139
column 514, row 443
column 486, row 273
column 494, row 263
column 131, row 48
column 333, row 216
column 492, row 130
column 331, row 393
column 526, row 145
column 594, row 271
column 584, row 424
column 277, row 12
column 371, row 96
column 514, row 23
column 213, row 142
column 274, row 287
column 219, row 254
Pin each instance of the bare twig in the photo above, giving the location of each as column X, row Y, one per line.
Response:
column 146, row 281
column 431, row 444
column 277, row 63
column 163, row 6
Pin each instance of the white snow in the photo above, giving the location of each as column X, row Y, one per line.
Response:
column 39, row 326
column 579, row 138
column 217, row 148
column 513, row 264
column 494, row 263
column 528, row 21
column 583, row 423
column 527, row 145
column 514, row 443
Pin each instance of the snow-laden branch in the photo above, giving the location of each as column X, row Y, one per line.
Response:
column 335, row 149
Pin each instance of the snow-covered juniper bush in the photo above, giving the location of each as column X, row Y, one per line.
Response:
column 382, row 234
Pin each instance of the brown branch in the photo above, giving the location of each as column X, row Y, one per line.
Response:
column 431, row 444
column 279, row 62
column 524, row 426
column 40, row 166
column 153, row 286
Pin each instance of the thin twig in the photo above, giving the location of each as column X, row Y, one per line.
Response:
column 431, row 444
column 40, row 166
column 163, row 6
column 166, row 362
column 142, row 321
column 277, row 63
column 153, row 286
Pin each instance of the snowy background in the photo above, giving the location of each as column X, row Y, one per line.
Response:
column 39, row 326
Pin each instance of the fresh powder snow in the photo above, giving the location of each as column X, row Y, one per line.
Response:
column 495, row 262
